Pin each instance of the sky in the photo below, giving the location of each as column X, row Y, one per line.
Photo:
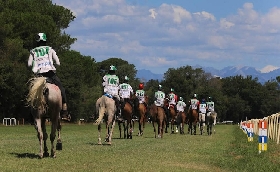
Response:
column 160, row 34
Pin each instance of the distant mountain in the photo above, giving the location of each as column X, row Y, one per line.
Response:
column 147, row 75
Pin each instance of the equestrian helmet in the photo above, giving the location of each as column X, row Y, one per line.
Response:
column 194, row 95
column 113, row 68
column 210, row 98
column 159, row 87
column 41, row 37
column 126, row 78
column 172, row 89
column 141, row 86
column 181, row 99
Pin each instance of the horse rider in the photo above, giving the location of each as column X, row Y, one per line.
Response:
column 203, row 106
column 111, row 86
column 181, row 105
column 194, row 103
column 140, row 94
column 159, row 100
column 41, row 60
column 125, row 93
column 172, row 101
column 210, row 105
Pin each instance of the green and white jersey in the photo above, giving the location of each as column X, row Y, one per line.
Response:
column 210, row 106
column 194, row 103
column 125, row 90
column 202, row 107
column 111, row 85
column 159, row 96
column 140, row 94
column 41, row 59
column 181, row 106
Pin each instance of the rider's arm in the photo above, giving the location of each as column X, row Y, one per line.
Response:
column 30, row 59
column 55, row 57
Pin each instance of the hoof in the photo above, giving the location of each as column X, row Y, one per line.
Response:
column 46, row 154
column 109, row 143
column 59, row 146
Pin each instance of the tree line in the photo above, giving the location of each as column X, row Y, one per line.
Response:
column 235, row 97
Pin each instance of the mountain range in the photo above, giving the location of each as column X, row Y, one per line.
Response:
column 146, row 75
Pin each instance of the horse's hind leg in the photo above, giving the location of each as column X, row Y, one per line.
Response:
column 52, row 136
column 99, row 135
column 38, row 127
column 45, row 137
column 59, row 142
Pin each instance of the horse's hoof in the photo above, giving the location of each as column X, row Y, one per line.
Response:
column 99, row 143
column 46, row 154
column 59, row 146
column 109, row 143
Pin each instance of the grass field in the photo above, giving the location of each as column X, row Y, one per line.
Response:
column 227, row 150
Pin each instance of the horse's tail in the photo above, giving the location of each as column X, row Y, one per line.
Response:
column 35, row 97
column 101, row 110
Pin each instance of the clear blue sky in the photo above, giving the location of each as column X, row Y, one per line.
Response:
column 161, row 34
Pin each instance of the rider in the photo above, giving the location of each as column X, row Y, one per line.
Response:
column 172, row 99
column 159, row 100
column 140, row 94
column 210, row 105
column 194, row 103
column 181, row 105
column 203, row 106
column 111, row 86
column 125, row 92
column 41, row 59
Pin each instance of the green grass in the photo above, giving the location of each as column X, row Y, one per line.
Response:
column 227, row 150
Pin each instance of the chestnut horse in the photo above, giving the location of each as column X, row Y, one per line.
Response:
column 192, row 117
column 181, row 119
column 46, row 102
column 127, row 122
column 172, row 116
column 158, row 115
column 141, row 111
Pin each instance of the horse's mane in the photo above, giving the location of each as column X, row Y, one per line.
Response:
column 35, row 97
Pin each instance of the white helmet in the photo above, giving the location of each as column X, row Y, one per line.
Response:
column 41, row 37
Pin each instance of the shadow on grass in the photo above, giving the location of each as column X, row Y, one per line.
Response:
column 26, row 155
column 96, row 144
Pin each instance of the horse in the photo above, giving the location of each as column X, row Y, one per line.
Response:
column 211, row 121
column 141, row 110
column 201, row 122
column 158, row 115
column 46, row 102
column 181, row 119
column 127, row 122
column 172, row 115
column 192, row 120
column 105, row 106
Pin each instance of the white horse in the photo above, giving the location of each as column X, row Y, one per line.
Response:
column 201, row 123
column 105, row 106
column 46, row 102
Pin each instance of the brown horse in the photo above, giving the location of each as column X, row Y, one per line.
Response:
column 45, row 102
column 140, row 111
column 192, row 117
column 181, row 119
column 158, row 115
column 172, row 116
column 127, row 122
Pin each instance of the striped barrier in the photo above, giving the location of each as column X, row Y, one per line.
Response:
column 262, row 136
column 250, row 132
